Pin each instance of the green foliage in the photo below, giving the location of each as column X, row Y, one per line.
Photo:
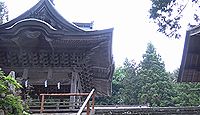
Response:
column 168, row 15
column 9, row 102
column 187, row 94
column 117, row 86
column 12, row 104
column 5, row 81
column 148, row 83
column 130, row 83
column 156, row 89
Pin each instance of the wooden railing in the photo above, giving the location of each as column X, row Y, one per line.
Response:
column 88, row 104
column 72, row 94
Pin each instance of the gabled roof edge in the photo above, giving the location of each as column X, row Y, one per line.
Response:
column 20, row 17
column 184, row 56
column 59, row 17
column 52, row 12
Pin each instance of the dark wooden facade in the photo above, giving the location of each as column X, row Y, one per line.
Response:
column 40, row 45
column 190, row 65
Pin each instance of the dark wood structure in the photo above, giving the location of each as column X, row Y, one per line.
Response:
column 45, row 49
column 190, row 65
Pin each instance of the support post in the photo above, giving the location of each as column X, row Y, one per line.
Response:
column 42, row 104
column 73, row 88
column 79, row 90
column 25, row 77
column 88, row 108
column 25, row 74
column 50, row 74
column 93, row 101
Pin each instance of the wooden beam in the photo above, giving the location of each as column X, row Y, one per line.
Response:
column 46, row 69
column 85, row 102
column 65, row 94
column 88, row 108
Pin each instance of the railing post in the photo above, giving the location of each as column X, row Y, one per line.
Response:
column 86, row 102
column 42, row 104
column 93, row 101
column 88, row 108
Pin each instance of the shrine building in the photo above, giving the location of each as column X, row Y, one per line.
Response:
column 54, row 55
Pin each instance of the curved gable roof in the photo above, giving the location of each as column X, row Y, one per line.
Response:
column 44, row 10
column 56, row 32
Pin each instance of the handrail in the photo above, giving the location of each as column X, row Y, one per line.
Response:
column 87, row 102
column 72, row 94
column 66, row 94
column 56, row 94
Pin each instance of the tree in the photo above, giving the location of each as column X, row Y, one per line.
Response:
column 155, row 86
column 124, row 84
column 3, row 12
column 145, row 83
column 117, row 86
column 148, row 83
column 129, row 93
column 168, row 15
column 186, row 94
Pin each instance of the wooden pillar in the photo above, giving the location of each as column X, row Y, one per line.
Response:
column 79, row 87
column 48, row 78
column 79, row 90
column 50, row 74
column 88, row 108
column 73, row 87
column 25, row 77
column 93, row 101
column 42, row 104
column 25, row 74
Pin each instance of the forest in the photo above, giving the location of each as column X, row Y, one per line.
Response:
column 148, row 83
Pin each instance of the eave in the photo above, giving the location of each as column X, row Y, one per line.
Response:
column 190, row 64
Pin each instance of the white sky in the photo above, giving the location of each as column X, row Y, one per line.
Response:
column 132, row 28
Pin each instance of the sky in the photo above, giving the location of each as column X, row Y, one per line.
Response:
column 132, row 27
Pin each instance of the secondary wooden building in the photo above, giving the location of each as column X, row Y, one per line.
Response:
column 55, row 55
column 190, row 65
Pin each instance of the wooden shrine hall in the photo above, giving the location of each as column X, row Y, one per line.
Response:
column 54, row 55
column 190, row 65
